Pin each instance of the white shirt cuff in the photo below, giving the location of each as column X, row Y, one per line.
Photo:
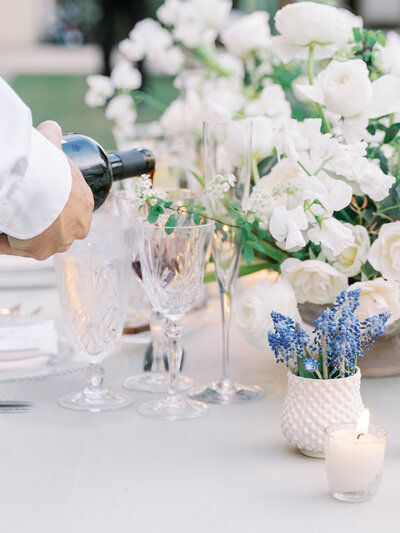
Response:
column 37, row 198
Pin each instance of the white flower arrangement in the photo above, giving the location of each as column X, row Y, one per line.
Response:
column 324, row 205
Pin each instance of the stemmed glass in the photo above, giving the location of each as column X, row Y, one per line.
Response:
column 227, row 167
column 92, row 277
column 173, row 261
column 157, row 379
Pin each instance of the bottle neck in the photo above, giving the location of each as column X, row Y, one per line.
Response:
column 131, row 163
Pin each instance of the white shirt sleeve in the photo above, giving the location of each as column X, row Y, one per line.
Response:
column 35, row 178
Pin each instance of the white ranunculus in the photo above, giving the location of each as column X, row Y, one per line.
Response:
column 349, row 261
column 125, row 76
column 332, row 235
column 168, row 12
column 253, row 310
column 249, row 33
column 271, row 102
column 100, row 89
column 287, row 226
column 313, row 281
column 304, row 23
column 377, row 296
column 262, row 137
column 387, row 58
column 121, row 109
column 384, row 254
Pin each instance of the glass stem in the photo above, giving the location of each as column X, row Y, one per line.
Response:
column 174, row 351
column 157, row 335
column 95, row 375
column 226, row 298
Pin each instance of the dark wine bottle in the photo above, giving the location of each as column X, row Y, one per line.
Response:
column 100, row 169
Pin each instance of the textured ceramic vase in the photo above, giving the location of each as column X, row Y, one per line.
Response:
column 313, row 404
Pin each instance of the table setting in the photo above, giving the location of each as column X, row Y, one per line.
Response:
column 138, row 370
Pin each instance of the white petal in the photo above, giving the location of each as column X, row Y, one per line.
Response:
column 312, row 92
column 386, row 98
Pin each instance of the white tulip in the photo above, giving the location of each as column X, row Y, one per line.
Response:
column 377, row 296
column 125, row 76
column 253, row 310
column 350, row 261
column 286, row 225
column 313, row 281
column 307, row 23
column 384, row 254
column 249, row 33
column 333, row 235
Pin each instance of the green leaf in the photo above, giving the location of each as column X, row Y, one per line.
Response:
column 371, row 129
column 196, row 218
column 380, row 37
column 170, row 224
column 391, row 133
column 152, row 217
column 199, row 178
column 357, row 35
column 302, row 371
column 248, row 254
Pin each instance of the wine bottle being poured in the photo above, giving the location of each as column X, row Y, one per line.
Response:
column 100, row 169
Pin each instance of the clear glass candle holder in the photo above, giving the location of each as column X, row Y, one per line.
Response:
column 354, row 462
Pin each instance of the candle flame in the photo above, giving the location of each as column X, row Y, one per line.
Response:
column 363, row 423
column 225, row 228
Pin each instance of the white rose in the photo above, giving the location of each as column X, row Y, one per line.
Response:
column 387, row 58
column 384, row 254
column 344, row 89
column 332, row 234
column 349, row 262
column 378, row 296
column 313, row 281
column 125, row 76
column 253, row 310
column 304, row 23
column 249, row 33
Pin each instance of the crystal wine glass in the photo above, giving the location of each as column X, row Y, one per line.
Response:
column 173, row 261
column 92, row 277
column 227, row 167
column 157, row 379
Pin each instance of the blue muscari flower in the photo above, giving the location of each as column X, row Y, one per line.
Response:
column 339, row 335
column 310, row 364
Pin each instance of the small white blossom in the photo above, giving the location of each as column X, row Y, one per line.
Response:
column 220, row 185
column 125, row 76
column 100, row 90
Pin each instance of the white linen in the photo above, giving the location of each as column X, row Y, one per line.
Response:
column 35, row 179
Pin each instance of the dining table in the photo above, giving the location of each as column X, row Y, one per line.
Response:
column 231, row 471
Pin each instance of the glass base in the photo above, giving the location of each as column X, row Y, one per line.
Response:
column 226, row 392
column 157, row 382
column 354, row 497
column 173, row 408
column 95, row 401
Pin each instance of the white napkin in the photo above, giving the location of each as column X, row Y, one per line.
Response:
column 25, row 344
column 13, row 263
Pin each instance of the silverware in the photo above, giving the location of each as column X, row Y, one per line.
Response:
column 15, row 406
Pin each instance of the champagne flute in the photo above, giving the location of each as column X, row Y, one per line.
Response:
column 173, row 261
column 92, row 277
column 227, row 162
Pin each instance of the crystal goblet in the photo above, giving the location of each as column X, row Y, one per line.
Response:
column 92, row 277
column 173, row 261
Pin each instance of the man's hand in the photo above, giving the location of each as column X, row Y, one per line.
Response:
column 73, row 221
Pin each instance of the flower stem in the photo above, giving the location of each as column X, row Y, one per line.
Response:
column 310, row 64
column 254, row 168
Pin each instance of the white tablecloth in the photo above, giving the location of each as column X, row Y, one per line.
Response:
column 231, row 471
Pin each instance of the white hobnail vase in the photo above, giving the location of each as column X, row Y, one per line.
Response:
column 313, row 404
